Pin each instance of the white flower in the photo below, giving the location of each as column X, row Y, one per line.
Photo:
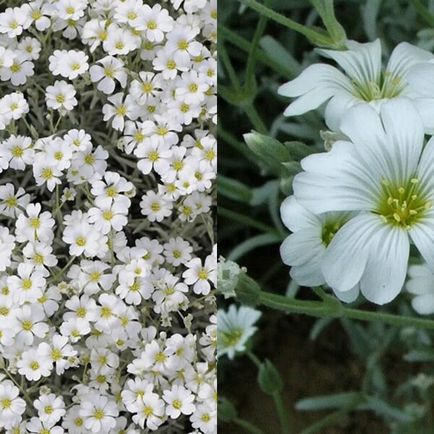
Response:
column 59, row 351
column 179, row 401
column 385, row 174
column 177, row 251
column 18, row 72
column 12, row 106
column 61, row 96
column 99, row 414
column 155, row 22
column 34, row 225
column 17, row 152
column 120, row 109
column 199, row 275
column 51, row 408
column 28, row 286
column 304, row 249
column 71, row 9
column 7, row 245
column 155, row 207
column 108, row 216
column 11, row 201
column 149, row 86
column 421, row 285
column 119, row 42
column 83, row 239
column 69, row 64
column 12, row 22
column 204, row 418
column 235, row 328
column 406, row 75
column 150, row 410
column 111, row 69
column 11, row 405
column 33, row 366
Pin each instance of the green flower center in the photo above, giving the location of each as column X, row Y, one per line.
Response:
column 231, row 337
column 330, row 229
column 386, row 86
column 402, row 205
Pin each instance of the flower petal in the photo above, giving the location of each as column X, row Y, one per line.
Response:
column 386, row 269
column 309, row 274
column 343, row 179
column 345, row 259
column 362, row 62
column 301, row 246
column 348, row 296
column 405, row 131
column 419, row 79
column 425, row 108
column 404, row 56
column 422, row 235
column 315, row 85
column 296, row 217
column 337, row 107
column 423, row 304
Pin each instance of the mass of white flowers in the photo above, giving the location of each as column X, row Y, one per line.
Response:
column 107, row 250
column 363, row 210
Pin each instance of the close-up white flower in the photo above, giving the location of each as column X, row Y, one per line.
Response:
column 235, row 328
column 384, row 174
column 364, row 81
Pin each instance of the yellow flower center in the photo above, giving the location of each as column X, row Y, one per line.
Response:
column 402, row 205
column 81, row 312
column 90, row 159
column 80, row 241
column 155, row 206
column 35, row 223
column 27, row 284
column 147, row 87
column 56, row 354
column 11, row 202
column 183, row 44
column 47, row 173
column 6, row 404
column 152, row 25
column 99, row 414
column 171, row 64
column 60, row 98
column 27, row 325
column 17, row 151
column 177, row 404
column 121, row 110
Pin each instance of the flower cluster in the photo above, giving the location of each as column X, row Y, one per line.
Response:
column 358, row 208
column 107, row 255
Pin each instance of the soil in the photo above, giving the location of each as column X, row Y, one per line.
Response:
column 309, row 368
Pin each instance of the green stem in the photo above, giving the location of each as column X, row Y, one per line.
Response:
column 60, row 273
column 254, row 359
column 330, row 419
column 261, row 55
column 228, row 66
column 282, row 413
column 246, row 221
column 337, row 310
column 251, row 61
column 255, row 119
column 249, row 427
column 20, row 387
column 287, row 22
